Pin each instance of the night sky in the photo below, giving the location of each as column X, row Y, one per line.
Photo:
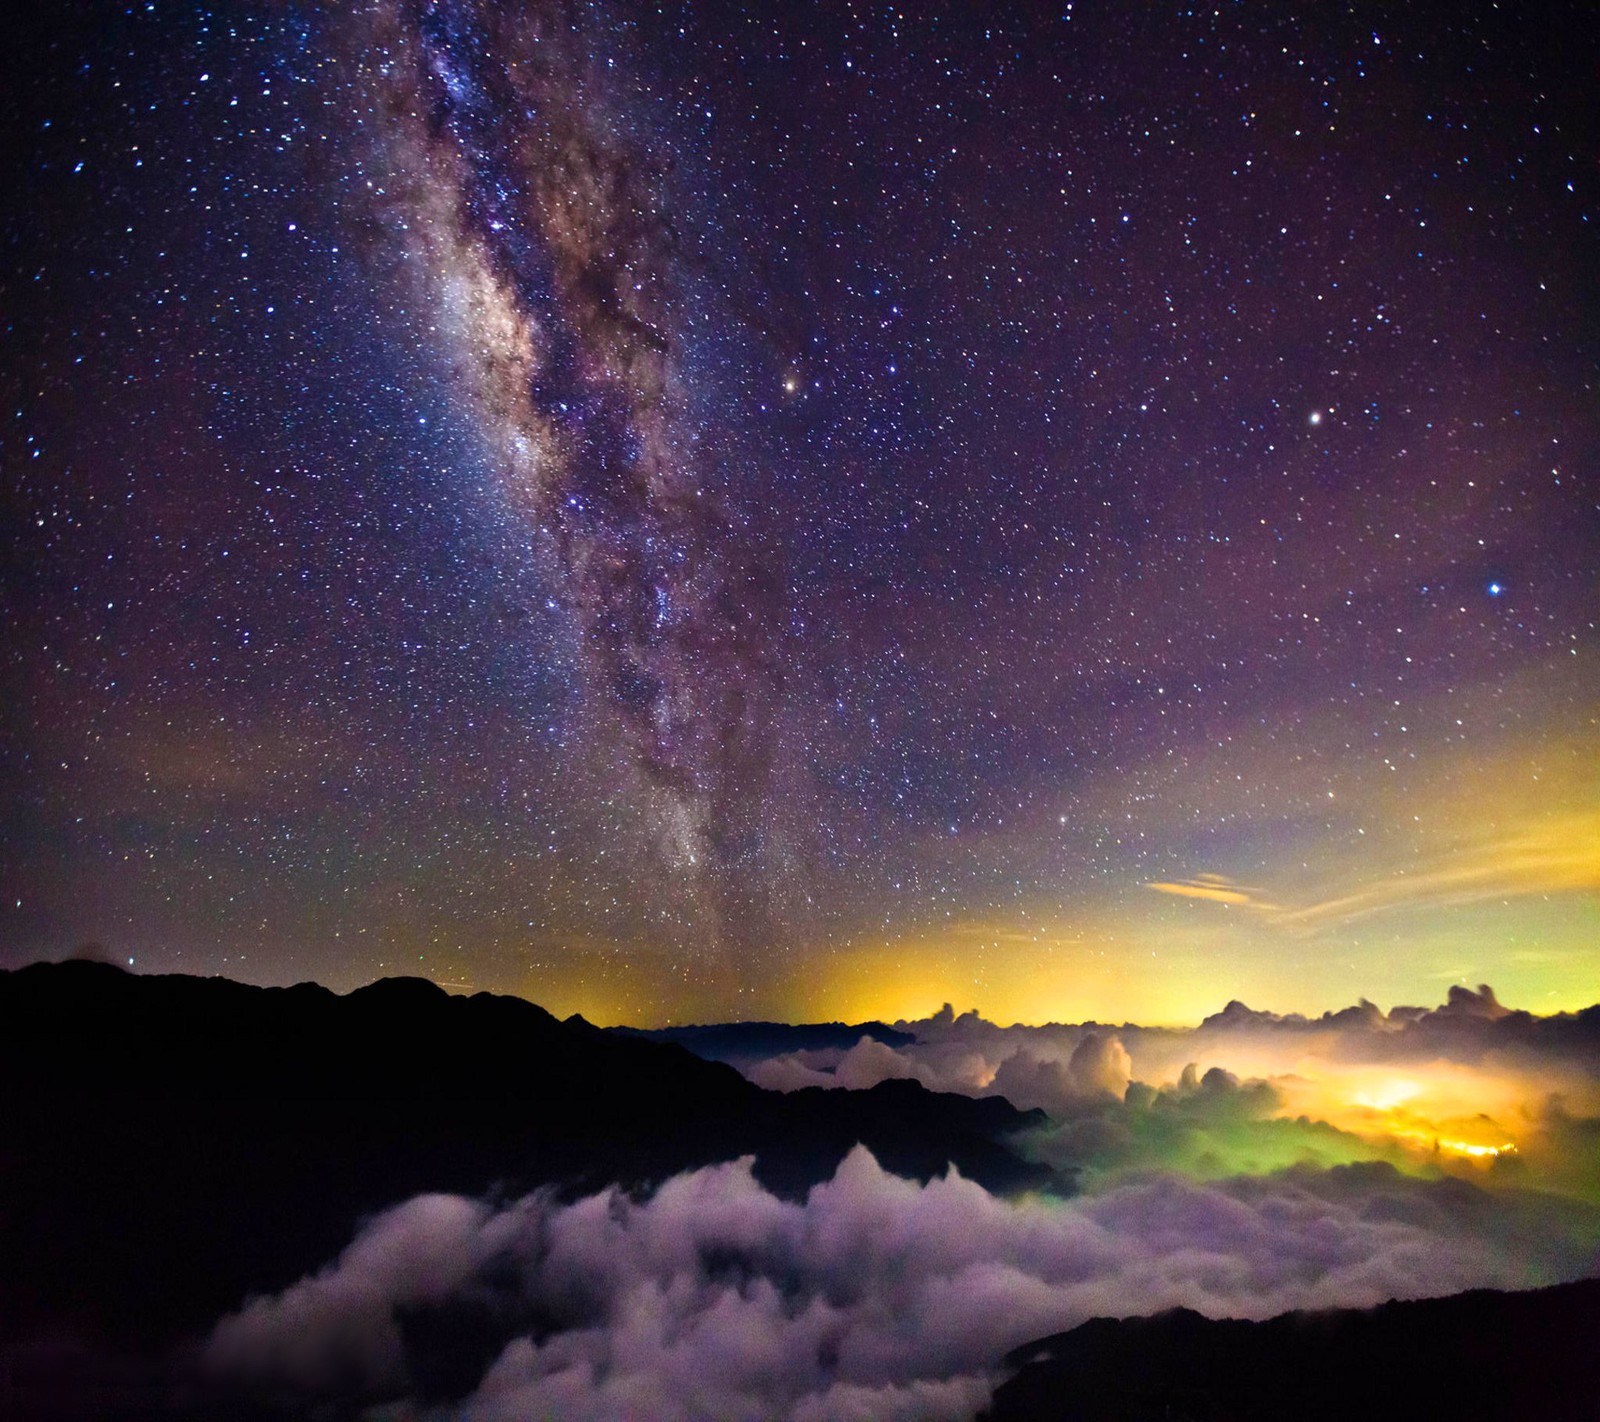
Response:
column 806, row 511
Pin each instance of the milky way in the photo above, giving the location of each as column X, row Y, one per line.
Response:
column 541, row 220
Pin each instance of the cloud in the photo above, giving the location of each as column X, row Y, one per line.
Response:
column 1098, row 1071
column 1213, row 887
column 1556, row 854
column 1460, row 1088
column 875, row 1297
column 1208, row 1126
column 1560, row 854
column 340, row 1330
column 955, row 1066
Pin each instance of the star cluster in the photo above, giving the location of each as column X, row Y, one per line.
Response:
column 720, row 510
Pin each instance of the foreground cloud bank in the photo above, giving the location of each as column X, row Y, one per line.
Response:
column 875, row 1297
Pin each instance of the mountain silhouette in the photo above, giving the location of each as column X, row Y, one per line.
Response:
column 172, row 1144
column 1486, row 1355
column 742, row 1043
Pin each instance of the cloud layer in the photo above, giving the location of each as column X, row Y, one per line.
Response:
column 876, row 1297
column 1463, row 1087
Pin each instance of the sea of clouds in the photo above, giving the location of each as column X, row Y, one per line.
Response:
column 1255, row 1091
column 879, row 1297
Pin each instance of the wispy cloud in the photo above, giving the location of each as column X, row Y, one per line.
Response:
column 1214, row 888
column 1560, row 854
column 1557, row 854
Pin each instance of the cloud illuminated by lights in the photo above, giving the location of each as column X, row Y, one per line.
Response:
column 1212, row 887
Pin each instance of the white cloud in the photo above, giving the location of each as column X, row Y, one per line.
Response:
column 876, row 1296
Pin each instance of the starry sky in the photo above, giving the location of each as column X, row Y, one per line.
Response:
column 713, row 511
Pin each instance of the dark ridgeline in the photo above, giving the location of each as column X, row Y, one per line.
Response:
column 170, row 1144
column 1484, row 1356
column 745, row 1043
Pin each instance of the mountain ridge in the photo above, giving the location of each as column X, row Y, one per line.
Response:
column 1491, row 1355
column 261, row 1124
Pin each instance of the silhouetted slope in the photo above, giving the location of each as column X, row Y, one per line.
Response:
column 1482, row 1355
column 746, row 1042
column 168, row 1144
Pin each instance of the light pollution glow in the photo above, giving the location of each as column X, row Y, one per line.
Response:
column 1488, row 872
column 1472, row 1088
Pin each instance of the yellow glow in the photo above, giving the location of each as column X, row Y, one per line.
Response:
column 1389, row 1095
column 1479, row 1150
column 1016, row 971
column 1436, row 1112
column 1157, row 959
column 1207, row 886
column 1401, row 1129
column 1420, row 1141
